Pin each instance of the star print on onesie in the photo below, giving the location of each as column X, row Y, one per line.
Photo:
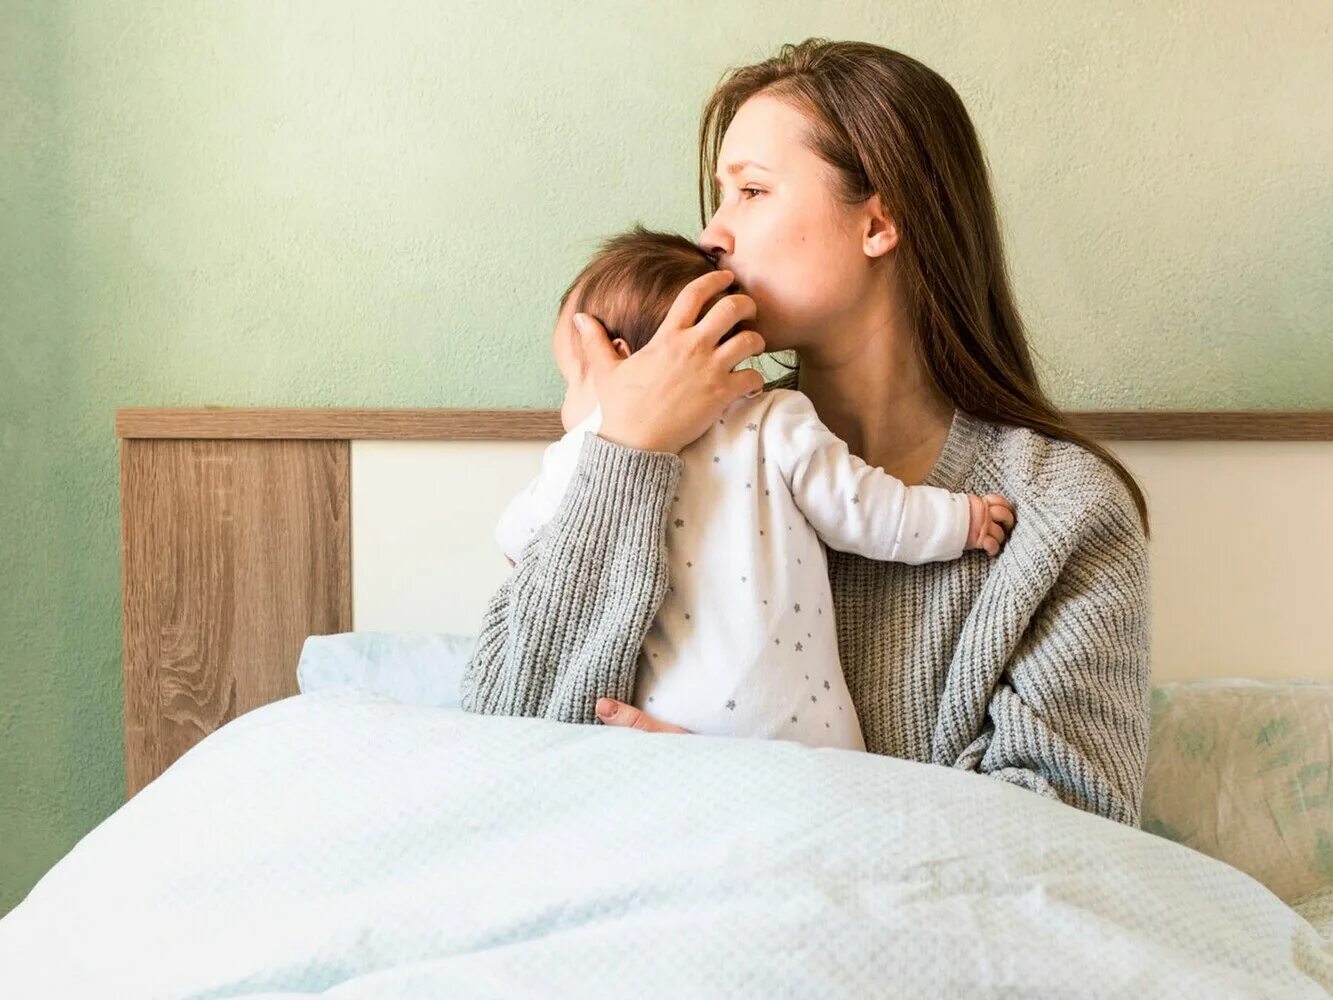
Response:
column 731, row 652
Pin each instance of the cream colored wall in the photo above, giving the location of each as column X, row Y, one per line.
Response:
column 1242, row 575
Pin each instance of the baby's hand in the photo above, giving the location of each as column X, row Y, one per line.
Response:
column 992, row 520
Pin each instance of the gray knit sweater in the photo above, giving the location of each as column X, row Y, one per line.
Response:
column 1031, row 667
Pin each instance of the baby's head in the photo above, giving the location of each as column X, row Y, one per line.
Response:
column 628, row 286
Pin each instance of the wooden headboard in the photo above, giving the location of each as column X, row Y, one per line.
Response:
column 246, row 530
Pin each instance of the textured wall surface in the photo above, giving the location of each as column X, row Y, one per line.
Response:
column 258, row 203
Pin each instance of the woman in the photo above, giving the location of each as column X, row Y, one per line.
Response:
column 844, row 189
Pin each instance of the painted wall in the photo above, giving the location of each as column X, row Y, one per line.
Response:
column 259, row 203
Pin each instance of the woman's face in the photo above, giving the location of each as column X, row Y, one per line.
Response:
column 795, row 248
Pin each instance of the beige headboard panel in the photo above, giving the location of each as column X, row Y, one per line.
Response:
column 244, row 531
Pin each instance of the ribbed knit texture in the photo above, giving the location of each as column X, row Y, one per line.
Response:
column 1032, row 667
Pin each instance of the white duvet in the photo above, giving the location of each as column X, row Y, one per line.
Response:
column 344, row 845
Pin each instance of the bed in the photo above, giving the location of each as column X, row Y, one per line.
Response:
column 309, row 813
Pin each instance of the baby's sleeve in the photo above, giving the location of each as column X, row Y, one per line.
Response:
column 534, row 506
column 855, row 507
column 523, row 517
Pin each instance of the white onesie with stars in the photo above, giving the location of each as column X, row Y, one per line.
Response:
column 745, row 644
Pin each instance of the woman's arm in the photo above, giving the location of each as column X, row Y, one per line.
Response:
column 568, row 624
column 1069, row 716
column 534, row 506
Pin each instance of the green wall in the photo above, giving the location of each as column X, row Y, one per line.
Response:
column 376, row 204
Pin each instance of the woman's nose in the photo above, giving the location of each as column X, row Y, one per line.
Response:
column 716, row 240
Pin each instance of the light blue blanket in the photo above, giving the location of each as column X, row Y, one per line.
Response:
column 346, row 845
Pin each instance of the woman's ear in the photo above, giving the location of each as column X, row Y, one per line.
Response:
column 621, row 348
column 881, row 232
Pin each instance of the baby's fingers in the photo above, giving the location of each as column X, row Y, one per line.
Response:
column 1000, row 509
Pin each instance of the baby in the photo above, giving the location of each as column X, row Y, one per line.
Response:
column 744, row 643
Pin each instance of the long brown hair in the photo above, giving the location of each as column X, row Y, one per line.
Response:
column 893, row 127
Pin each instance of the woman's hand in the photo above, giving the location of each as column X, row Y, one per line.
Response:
column 617, row 713
column 665, row 395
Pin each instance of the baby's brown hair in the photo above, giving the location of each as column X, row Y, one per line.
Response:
column 631, row 281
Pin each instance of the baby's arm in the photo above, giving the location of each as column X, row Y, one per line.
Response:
column 536, row 504
column 855, row 507
column 992, row 520
column 523, row 518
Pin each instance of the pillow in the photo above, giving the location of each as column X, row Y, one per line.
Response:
column 1242, row 771
column 419, row 668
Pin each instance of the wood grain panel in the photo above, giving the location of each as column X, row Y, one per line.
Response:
column 236, row 539
column 233, row 552
column 1207, row 425
column 544, row 425
column 341, row 425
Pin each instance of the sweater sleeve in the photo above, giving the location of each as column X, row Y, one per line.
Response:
column 533, row 507
column 567, row 625
column 1069, row 716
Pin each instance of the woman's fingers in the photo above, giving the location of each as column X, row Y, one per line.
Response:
column 725, row 314
column 746, row 344
column 690, row 300
column 602, row 357
column 746, row 382
column 617, row 713
column 664, row 396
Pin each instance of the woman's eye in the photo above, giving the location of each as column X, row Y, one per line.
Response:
column 750, row 191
